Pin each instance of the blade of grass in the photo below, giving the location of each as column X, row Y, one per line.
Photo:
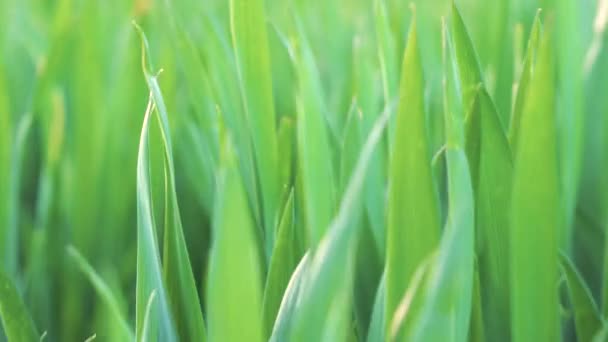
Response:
column 282, row 264
column 283, row 321
column 446, row 310
column 331, row 267
column 315, row 158
column 234, row 292
column 375, row 332
column 149, row 277
column 524, row 81
column 587, row 319
column 535, row 211
column 17, row 322
column 250, row 43
column 413, row 219
column 177, row 271
column 103, row 290
column 489, row 155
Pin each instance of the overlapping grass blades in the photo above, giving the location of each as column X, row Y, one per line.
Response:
column 250, row 43
column 177, row 278
column 413, row 217
column 314, row 154
column 323, row 301
column 490, row 161
column 446, row 310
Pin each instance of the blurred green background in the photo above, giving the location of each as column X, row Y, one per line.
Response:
column 73, row 96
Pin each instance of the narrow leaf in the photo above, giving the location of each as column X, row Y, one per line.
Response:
column 413, row 219
column 587, row 319
column 16, row 320
column 535, row 223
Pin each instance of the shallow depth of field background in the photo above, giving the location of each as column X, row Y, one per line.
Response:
column 73, row 97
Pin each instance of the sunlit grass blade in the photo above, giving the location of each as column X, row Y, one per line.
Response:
column 16, row 320
column 234, row 292
column 103, row 290
column 587, row 319
column 250, row 42
column 284, row 317
column 535, row 212
column 177, row 271
column 282, row 264
column 524, row 81
column 330, row 270
column 315, row 160
column 413, row 218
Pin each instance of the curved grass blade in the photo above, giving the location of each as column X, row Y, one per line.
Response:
column 413, row 218
column 587, row 318
column 445, row 314
column 283, row 321
column 177, row 271
column 250, row 42
column 282, row 263
column 234, row 291
column 524, row 81
column 17, row 322
column 149, row 276
column 103, row 290
column 446, row 310
column 331, row 267
column 535, row 210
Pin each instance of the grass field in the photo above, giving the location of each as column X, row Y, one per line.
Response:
column 292, row 170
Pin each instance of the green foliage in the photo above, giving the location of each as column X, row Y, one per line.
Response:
column 339, row 170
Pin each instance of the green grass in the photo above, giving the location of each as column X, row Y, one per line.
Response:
column 342, row 170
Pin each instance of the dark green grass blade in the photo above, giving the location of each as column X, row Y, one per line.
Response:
column 177, row 271
column 250, row 42
column 587, row 319
column 413, row 219
column 16, row 320
column 535, row 223
column 282, row 264
column 489, row 155
column 234, row 292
